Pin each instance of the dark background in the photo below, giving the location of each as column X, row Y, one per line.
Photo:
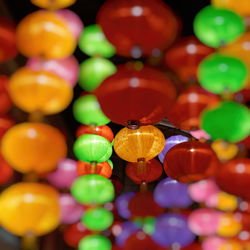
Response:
column 87, row 10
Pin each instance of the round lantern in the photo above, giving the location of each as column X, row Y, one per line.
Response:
column 216, row 27
column 138, row 28
column 40, row 91
column 5, row 100
column 218, row 74
column 95, row 242
column 185, row 56
column 143, row 143
column 136, row 93
column 45, row 42
column 228, row 121
column 36, row 152
column 55, row 4
column 29, row 207
column 191, row 161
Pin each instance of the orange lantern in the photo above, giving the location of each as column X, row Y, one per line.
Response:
column 44, row 34
column 39, row 91
column 29, row 208
column 33, row 147
column 55, row 4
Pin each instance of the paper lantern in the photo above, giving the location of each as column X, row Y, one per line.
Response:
column 95, row 242
column 57, row 4
column 5, row 100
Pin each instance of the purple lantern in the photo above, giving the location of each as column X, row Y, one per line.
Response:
column 70, row 210
column 122, row 203
column 127, row 229
column 170, row 193
column 172, row 229
column 170, row 142
column 64, row 175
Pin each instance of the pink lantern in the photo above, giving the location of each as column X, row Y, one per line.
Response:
column 70, row 210
column 64, row 175
column 204, row 221
column 213, row 243
column 67, row 68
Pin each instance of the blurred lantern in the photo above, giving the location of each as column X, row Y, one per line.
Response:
column 218, row 74
column 228, row 121
column 219, row 243
column 193, row 246
column 94, row 43
column 35, row 140
column 92, row 189
column 64, row 175
column 97, row 219
column 243, row 97
column 138, row 28
column 8, row 48
column 240, row 48
column 142, row 205
column 92, row 148
column 29, row 208
column 5, row 124
column 171, row 193
column 229, row 225
column 125, row 230
column 86, row 110
column 235, row 172
column 46, row 43
column 152, row 171
column 55, row 4
column 169, row 143
column 66, row 68
column 41, row 91
column 185, row 113
column 5, row 170
column 122, row 203
column 172, row 229
column 185, row 56
column 117, row 183
column 103, row 168
column 190, row 161
column 95, row 242
column 93, row 71
column 5, row 101
column 216, row 27
column 74, row 233
column 242, row 9
column 72, row 21
column 224, row 150
column 140, row 144
column 204, row 221
column 202, row 190
column 103, row 131
column 70, row 210
column 136, row 93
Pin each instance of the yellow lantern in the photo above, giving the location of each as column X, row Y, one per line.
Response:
column 55, row 4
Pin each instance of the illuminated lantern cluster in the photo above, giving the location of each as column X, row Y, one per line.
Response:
column 43, row 87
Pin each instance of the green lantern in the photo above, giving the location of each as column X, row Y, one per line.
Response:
column 92, row 148
column 93, row 42
column 97, row 219
column 87, row 110
column 149, row 225
column 93, row 71
column 218, row 73
column 92, row 189
column 216, row 27
column 229, row 121
column 95, row 242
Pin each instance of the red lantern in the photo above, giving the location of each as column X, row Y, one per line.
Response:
column 117, row 183
column 8, row 48
column 5, row 101
column 136, row 93
column 103, row 169
column 103, row 131
column 74, row 233
column 191, row 161
column 5, row 170
column 185, row 113
column 233, row 177
column 142, row 205
column 185, row 56
column 153, row 171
